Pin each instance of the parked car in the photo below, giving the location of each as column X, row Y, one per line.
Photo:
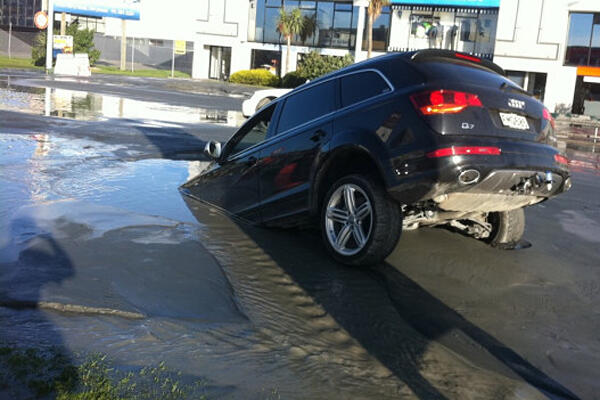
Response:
column 405, row 140
column 261, row 98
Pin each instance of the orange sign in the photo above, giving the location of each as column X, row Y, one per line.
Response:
column 588, row 71
column 40, row 19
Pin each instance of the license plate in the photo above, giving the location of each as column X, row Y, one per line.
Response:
column 514, row 121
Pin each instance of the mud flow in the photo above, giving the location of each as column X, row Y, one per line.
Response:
column 100, row 252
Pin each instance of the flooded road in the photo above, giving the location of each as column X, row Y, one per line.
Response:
column 99, row 252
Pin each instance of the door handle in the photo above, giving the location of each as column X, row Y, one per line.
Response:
column 318, row 135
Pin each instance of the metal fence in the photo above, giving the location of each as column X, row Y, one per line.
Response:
column 144, row 53
column 16, row 43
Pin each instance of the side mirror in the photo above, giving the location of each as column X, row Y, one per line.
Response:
column 213, row 149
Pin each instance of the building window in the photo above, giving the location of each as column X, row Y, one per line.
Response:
column 583, row 46
column 533, row 82
column 220, row 63
column 326, row 23
column 381, row 31
column 267, row 59
column 19, row 13
column 470, row 30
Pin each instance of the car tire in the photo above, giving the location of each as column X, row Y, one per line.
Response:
column 263, row 102
column 507, row 228
column 380, row 227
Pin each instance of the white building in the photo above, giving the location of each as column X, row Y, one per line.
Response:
column 540, row 40
column 550, row 47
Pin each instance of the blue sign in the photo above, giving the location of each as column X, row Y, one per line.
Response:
column 456, row 3
column 122, row 9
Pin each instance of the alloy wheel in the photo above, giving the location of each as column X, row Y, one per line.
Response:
column 348, row 219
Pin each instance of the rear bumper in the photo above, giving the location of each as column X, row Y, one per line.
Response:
column 521, row 175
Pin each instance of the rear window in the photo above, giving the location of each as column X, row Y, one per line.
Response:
column 460, row 72
column 362, row 86
column 307, row 105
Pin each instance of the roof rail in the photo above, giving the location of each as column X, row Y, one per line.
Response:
column 430, row 54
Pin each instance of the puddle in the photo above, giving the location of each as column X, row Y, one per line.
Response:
column 80, row 105
column 39, row 168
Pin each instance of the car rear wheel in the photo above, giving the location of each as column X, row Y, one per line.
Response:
column 507, row 228
column 360, row 223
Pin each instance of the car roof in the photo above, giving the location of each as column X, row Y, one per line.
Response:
column 409, row 57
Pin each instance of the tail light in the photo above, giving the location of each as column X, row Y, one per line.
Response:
column 464, row 150
column 561, row 159
column 444, row 101
column 548, row 117
column 467, row 57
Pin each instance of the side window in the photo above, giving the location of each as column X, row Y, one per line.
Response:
column 361, row 86
column 254, row 132
column 307, row 105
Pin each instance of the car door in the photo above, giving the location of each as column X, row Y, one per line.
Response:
column 232, row 182
column 286, row 161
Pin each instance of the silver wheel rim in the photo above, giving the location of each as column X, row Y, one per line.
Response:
column 348, row 219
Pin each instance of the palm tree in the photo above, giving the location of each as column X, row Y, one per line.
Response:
column 309, row 27
column 373, row 11
column 289, row 24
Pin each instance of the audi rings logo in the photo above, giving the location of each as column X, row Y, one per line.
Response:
column 514, row 103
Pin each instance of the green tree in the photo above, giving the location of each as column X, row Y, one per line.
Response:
column 83, row 42
column 289, row 24
column 373, row 11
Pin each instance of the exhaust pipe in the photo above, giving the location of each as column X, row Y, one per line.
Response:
column 468, row 177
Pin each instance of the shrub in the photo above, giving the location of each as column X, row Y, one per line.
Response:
column 260, row 77
column 83, row 42
column 292, row 79
column 315, row 64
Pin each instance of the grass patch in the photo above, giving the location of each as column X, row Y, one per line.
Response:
column 149, row 73
column 6, row 62
column 28, row 372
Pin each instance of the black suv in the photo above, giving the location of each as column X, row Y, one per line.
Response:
column 423, row 138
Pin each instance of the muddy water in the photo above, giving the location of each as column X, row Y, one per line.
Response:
column 98, row 253
column 114, row 262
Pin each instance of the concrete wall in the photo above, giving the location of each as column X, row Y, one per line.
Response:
column 222, row 23
column 21, row 43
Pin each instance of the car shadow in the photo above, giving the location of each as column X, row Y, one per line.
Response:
column 392, row 317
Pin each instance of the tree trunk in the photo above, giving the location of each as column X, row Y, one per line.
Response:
column 287, row 56
column 369, row 35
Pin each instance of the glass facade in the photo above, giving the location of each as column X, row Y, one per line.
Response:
column 326, row 24
column 583, row 45
column 19, row 12
column 470, row 30
column 381, row 31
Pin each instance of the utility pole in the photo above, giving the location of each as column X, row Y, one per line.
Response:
column 132, row 52
column 63, row 23
column 9, row 38
column 173, row 61
column 49, row 36
column 123, row 45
